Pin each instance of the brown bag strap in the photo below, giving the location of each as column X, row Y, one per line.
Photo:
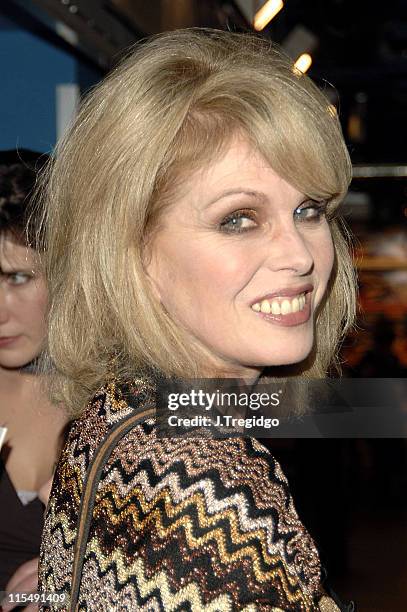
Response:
column 95, row 470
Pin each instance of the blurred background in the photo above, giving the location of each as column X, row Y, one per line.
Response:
column 351, row 494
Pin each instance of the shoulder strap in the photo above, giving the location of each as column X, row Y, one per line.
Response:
column 95, row 470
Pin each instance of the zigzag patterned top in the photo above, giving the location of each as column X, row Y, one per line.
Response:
column 178, row 524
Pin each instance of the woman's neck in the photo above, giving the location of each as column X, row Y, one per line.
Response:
column 16, row 377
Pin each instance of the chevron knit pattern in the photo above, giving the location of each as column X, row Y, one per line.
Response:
column 178, row 524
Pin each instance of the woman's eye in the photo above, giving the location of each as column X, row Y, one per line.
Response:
column 239, row 221
column 313, row 213
column 18, row 278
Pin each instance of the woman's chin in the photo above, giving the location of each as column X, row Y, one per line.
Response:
column 16, row 362
column 284, row 355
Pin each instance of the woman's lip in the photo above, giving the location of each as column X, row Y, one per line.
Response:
column 291, row 319
column 5, row 340
column 287, row 292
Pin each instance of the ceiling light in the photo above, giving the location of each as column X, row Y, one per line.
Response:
column 303, row 62
column 266, row 13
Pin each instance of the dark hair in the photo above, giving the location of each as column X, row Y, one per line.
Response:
column 18, row 176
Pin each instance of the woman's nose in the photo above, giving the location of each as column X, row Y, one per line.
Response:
column 288, row 250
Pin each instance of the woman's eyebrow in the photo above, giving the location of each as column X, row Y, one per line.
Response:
column 258, row 195
column 12, row 269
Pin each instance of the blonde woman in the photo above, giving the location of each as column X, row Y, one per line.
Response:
column 192, row 230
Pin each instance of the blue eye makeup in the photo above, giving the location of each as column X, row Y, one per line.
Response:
column 17, row 278
column 239, row 221
column 246, row 219
column 311, row 212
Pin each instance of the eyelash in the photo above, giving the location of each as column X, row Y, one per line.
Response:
column 319, row 207
column 12, row 276
column 235, row 216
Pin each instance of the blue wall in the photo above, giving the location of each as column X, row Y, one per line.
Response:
column 30, row 69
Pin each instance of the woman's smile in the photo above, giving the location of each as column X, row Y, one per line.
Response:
column 288, row 307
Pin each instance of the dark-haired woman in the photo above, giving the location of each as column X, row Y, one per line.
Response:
column 34, row 425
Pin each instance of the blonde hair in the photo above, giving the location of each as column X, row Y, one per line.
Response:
column 168, row 108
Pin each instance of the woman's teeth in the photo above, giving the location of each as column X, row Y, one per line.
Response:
column 280, row 306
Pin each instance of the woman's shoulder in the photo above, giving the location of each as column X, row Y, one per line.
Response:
column 223, row 502
column 236, row 466
column 112, row 403
column 213, row 514
column 235, row 461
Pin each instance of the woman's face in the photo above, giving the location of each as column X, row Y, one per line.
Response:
column 23, row 303
column 241, row 261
